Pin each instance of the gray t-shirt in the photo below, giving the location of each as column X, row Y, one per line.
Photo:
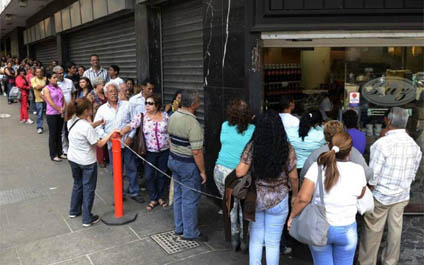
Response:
column 355, row 157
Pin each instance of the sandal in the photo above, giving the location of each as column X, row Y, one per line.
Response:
column 163, row 203
column 151, row 205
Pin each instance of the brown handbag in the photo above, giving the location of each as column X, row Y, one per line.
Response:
column 139, row 143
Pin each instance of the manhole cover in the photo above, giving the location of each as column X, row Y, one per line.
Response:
column 172, row 243
column 4, row 115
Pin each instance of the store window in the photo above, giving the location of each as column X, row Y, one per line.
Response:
column 367, row 79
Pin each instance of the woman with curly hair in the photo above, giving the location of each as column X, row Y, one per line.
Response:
column 271, row 161
column 235, row 134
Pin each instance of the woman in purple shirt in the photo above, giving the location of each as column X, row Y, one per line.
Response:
column 350, row 119
column 55, row 108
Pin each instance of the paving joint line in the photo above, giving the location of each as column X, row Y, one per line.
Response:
column 89, row 259
column 188, row 257
column 17, row 255
column 132, row 230
column 94, row 252
column 100, row 197
column 66, row 222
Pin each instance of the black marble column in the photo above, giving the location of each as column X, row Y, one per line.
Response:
column 224, row 69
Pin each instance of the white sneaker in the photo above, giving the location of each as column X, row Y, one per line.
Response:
column 22, row 121
column 29, row 121
column 39, row 131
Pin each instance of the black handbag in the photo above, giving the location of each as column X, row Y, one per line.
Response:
column 139, row 143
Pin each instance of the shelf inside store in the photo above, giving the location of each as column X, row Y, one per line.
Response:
column 283, row 82
column 283, row 92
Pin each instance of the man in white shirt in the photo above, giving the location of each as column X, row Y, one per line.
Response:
column 138, row 101
column 116, row 115
column 395, row 159
column 324, row 107
column 96, row 71
column 113, row 72
column 68, row 89
column 287, row 106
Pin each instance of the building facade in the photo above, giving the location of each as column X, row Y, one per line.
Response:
column 254, row 49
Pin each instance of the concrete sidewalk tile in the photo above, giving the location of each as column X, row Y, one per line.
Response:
column 214, row 258
column 144, row 252
column 9, row 257
column 34, row 229
column 77, row 261
column 29, row 210
column 70, row 245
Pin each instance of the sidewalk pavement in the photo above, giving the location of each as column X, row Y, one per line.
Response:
column 35, row 228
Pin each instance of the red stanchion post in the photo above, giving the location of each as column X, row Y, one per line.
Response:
column 117, row 175
column 117, row 216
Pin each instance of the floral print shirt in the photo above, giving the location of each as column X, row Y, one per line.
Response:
column 155, row 133
column 270, row 192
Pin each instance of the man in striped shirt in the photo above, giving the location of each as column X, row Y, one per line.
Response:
column 187, row 165
column 395, row 159
column 96, row 71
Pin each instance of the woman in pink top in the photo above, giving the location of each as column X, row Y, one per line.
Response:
column 155, row 129
column 54, row 114
column 23, row 84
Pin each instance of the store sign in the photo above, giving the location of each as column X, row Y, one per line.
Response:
column 354, row 99
column 390, row 91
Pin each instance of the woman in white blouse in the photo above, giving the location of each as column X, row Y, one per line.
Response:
column 155, row 129
column 344, row 184
column 83, row 141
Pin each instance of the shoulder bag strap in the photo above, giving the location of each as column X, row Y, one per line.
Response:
column 321, row 189
column 73, row 124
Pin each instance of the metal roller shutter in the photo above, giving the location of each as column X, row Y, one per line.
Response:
column 182, row 50
column 46, row 52
column 114, row 42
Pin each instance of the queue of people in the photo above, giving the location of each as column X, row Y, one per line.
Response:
column 276, row 151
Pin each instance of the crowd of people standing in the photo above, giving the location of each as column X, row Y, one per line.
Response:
column 282, row 154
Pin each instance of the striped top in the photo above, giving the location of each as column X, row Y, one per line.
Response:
column 185, row 133
column 93, row 75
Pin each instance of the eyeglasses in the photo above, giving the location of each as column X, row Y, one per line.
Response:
column 150, row 103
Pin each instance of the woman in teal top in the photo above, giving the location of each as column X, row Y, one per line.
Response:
column 235, row 134
column 308, row 137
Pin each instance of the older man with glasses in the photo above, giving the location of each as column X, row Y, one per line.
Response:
column 116, row 114
column 395, row 159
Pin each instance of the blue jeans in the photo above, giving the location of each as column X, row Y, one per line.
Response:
column 130, row 162
column 155, row 181
column 267, row 228
column 340, row 248
column 40, row 106
column 8, row 88
column 186, row 201
column 83, row 191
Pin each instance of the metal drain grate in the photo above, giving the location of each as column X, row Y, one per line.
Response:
column 172, row 243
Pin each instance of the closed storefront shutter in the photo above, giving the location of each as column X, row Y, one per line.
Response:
column 46, row 52
column 182, row 50
column 113, row 41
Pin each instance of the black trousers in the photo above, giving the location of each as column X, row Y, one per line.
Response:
column 55, row 123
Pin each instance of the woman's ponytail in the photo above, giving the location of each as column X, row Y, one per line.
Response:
column 340, row 147
column 329, row 161
column 307, row 121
